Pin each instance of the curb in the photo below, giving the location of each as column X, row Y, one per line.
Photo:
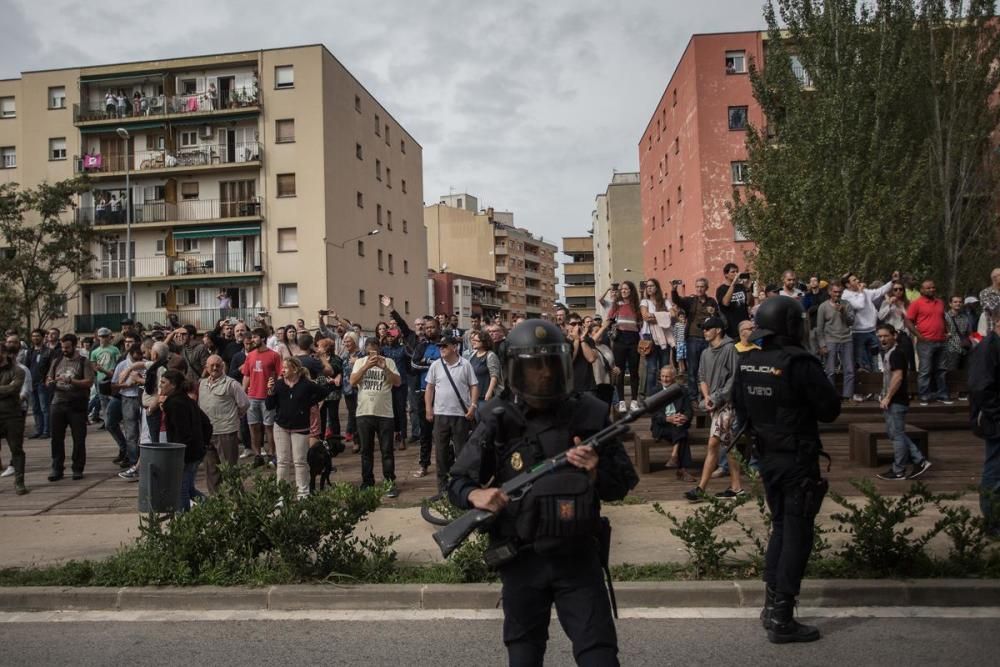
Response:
column 721, row 594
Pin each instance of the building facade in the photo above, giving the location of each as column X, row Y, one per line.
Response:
column 578, row 274
column 464, row 296
column 692, row 155
column 486, row 245
column 256, row 181
column 617, row 232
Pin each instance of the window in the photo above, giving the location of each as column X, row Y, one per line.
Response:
column 8, row 157
column 361, row 297
column 286, row 185
column 189, row 190
column 152, row 193
column 7, row 107
column 678, row 194
column 404, row 227
column 284, row 76
column 800, row 72
column 287, row 239
column 189, row 86
column 387, row 134
column 361, row 248
column 378, row 126
column 161, row 247
column 155, row 142
column 406, row 307
column 654, row 262
column 388, row 219
column 288, row 294
column 189, row 138
column 652, row 222
column 681, row 247
column 187, row 245
column 402, row 146
column 284, row 131
column 459, row 202
column 677, row 145
column 361, row 200
column 187, row 297
column 403, row 185
column 670, row 253
column 57, row 97
column 675, row 97
column 357, row 103
column 737, row 118
column 378, row 169
column 736, row 62
column 740, row 172
column 406, row 266
column 388, row 177
column 161, row 299
column 650, row 181
column 359, row 152
column 57, row 148
column 380, row 267
column 378, row 214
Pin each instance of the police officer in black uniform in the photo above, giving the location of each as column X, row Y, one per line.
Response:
column 783, row 392
column 547, row 544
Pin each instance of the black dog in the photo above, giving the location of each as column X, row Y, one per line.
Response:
column 320, row 460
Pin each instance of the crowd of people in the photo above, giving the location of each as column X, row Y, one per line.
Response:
column 273, row 392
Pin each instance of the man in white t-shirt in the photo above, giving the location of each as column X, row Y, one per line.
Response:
column 375, row 376
column 450, row 404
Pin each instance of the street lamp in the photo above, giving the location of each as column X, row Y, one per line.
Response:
column 372, row 232
column 123, row 133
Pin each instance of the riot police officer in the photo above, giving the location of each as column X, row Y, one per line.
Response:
column 782, row 391
column 546, row 545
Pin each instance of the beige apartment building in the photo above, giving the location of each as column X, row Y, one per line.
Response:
column 578, row 274
column 616, row 227
column 261, row 180
column 485, row 244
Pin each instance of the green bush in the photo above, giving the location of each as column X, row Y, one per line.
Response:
column 466, row 563
column 706, row 549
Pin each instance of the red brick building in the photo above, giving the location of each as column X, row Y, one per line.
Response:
column 691, row 156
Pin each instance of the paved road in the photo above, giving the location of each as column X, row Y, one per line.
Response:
column 854, row 641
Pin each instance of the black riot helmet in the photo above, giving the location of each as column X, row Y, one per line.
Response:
column 781, row 317
column 539, row 365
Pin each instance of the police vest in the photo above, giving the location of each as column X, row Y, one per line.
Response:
column 781, row 419
column 560, row 506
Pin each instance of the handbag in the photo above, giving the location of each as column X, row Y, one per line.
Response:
column 645, row 347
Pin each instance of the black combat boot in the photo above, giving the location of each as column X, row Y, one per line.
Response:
column 784, row 629
column 768, row 610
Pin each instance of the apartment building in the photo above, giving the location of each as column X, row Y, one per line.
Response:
column 616, row 227
column 485, row 244
column 578, row 274
column 261, row 180
column 464, row 296
column 692, row 155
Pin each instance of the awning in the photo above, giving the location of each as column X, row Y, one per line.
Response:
column 110, row 129
column 212, row 232
column 122, row 77
column 213, row 119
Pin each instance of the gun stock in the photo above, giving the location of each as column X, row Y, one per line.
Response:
column 451, row 536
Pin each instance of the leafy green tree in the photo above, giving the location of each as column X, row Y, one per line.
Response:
column 44, row 251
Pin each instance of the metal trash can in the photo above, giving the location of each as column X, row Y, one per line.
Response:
column 161, row 467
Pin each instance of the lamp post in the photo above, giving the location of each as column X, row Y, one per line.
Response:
column 372, row 232
column 129, row 305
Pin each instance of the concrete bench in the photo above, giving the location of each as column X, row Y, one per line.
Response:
column 864, row 437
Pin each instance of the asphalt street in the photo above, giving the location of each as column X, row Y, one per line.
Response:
column 396, row 640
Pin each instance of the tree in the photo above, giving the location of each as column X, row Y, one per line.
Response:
column 43, row 254
column 840, row 177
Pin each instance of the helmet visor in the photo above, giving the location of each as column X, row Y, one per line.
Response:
column 542, row 372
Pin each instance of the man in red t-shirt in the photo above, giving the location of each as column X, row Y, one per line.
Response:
column 261, row 365
column 925, row 320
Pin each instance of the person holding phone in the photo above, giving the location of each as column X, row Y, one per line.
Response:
column 375, row 376
column 735, row 300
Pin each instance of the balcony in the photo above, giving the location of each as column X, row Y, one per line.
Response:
column 485, row 300
column 168, row 214
column 204, row 157
column 204, row 319
column 500, row 250
column 165, row 107
column 188, row 267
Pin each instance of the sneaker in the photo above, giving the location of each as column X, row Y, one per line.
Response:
column 858, row 398
column 420, row 472
column 695, row 495
column 272, row 462
column 259, row 461
column 246, row 453
column 20, row 489
column 622, row 408
column 947, row 401
column 891, row 476
column 633, row 406
column 130, row 475
column 349, row 437
column 923, row 403
column 328, row 433
column 717, row 473
column 393, row 492
column 919, row 469
column 8, row 472
column 730, row 494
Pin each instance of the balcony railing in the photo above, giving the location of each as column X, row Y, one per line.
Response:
column 202, row 319
column 168, row 105
column 182, row 265
column 151, row 212
column 195, row 156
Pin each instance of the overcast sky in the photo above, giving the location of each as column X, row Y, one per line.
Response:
column 527, row 105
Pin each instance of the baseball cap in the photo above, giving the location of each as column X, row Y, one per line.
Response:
column 713, row 323
column 970, row 299
column 103, row 331
column 127, row 322
column 771, row 289
column 449, row 340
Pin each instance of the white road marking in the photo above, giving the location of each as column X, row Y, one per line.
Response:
column 680, row 613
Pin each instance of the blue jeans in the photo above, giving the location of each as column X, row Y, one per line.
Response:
column 412, row 387
column 187, row 486
column 113, row 423
column 903, row 449
column 865, row 350
column 655, row 360
column 131, row 414
column 846, row 353
column 989, row 489
column 695, row 346
column 931, row 356
column 40, row 408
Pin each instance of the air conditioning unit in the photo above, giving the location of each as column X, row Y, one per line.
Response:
column 206, row 132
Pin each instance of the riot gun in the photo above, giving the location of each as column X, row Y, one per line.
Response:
column 451, row 536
